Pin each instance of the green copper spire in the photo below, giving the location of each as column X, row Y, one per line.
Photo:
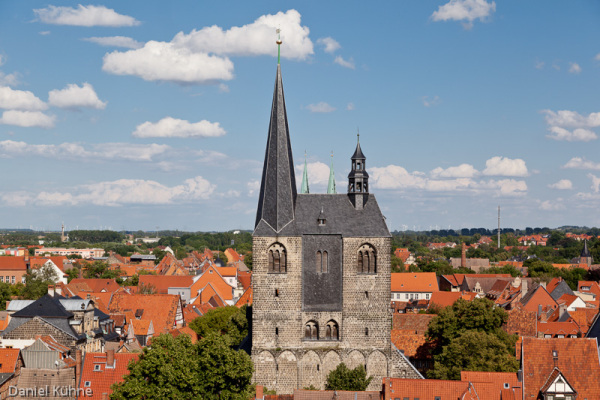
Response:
column 304, row 188
column 331, row 185
column 278, row 45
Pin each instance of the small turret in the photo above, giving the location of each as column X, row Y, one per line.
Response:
column 358, row 178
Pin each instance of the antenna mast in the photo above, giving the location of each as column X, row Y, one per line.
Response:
column 498, row 227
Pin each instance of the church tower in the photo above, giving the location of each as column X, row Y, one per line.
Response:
column 321, row 275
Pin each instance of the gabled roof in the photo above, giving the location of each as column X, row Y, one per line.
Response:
column 584, row 317
column 521, row 322
column 554, row 378
column 559, row 328
column 246, row 298
column 577, row 360
column 162, row 283
column 8, row 360
column 186, row 330
column 413, row 322
column 93, row 285
column 46, row 306
column 12, row 263
column 444, row 299
column 245, row 278
column 429, row 389
column 101, row 378
column 414, row 282
column 558, row 287
column 161, row 309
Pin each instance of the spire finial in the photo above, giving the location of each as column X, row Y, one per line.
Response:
column 278, row 41
column 357, row 136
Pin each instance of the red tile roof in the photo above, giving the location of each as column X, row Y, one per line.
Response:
column 227, row 271
column 161, row 309
column 245, row 278
column 102, row 377
column 498, row 380
column 412, row 322
column 521, row 322
column 246, row 298
column 428, row 389
column 444, row 299
column 584, row 317
column 186, row 330
column 414, row 282
column 577, row 360
column 12, row 263
column 411, row 343
column 94, row 285
column 559, row 328
column 162, row 283
column 8, row 360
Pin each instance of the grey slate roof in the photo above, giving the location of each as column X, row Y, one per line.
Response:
column 45, row 306
column 585, row 252
column 16, row 305
column 278, row 184
column 561, row 289
column 342, row 218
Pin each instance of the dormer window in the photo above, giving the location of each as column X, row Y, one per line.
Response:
column 321, row 218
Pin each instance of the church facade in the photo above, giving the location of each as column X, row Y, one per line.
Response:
column 321, row 275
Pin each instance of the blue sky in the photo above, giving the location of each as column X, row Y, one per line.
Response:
column 146, row 114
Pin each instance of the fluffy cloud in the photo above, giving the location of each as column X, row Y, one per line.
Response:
column 329, row 44
column 581, row 163
column 461, row 171
column 576, row 135
column 115, row 41
column 27, row 119
column 8, row 79
column 73, row 96
column 320, row 107
column 172, row 127
column 563, row 184
column 160, row 61
column 396, row 177
column 595, row 182
column 253, row 39
column 200, row 57
column 428, row 102
column 129, row 191
column 11, row 99
column 344, row 63
column 571, row 119
column 550, row 206
column 84, row 16
column 253, row 187
column 318, row 173
column 503, row 166
column 574, row 68
column 104, row 151
column 464, row 10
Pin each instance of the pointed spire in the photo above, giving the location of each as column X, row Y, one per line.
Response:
column 585, row 252
column 304, row 188
column 331, row 185
column 277, row 196
column 358, row 178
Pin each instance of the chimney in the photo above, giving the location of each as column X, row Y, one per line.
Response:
column 51, row 290
column 78, row 365
column 463, row 258
column 561, row 309
column 259, row 392
column 58, row 290
column 543, row 317
column 524, row 288
column 110, row 358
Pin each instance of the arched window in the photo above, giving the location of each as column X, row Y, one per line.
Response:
column 367, row 259
column 332, row 331
column 311, row 331
column 319, row 261
column 277, row 258
column 324, row 264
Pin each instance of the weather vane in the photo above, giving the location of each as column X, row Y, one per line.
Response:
column 278, row 45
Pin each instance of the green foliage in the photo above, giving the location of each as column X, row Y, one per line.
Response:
column 230, row 321
column 174, row 368
column 473, row 351
column 545, row 271
column 311, row 387
column 439, row 267
column 457, row 326
column 343, row 378
column 6, row 293
column 37, row 281
column 397, row 264
column 100, row 269
column 248, row 260
column 95, row 236
column 146, row 289
column 72, row 273
column 505, row 269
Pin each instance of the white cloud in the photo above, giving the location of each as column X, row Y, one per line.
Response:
column 464, row 10
column 84, row 16
column 505, row 187
column 597, row 58
column 172, row 127
column 103, row 151
column 115, row 41
column 160, row 61
column 574, row 68
column 344, row 63
column 461, row 171
column 577, row 135
column 550, row 206
column 253, row 187
column 539, row 64
column 396, row 177
column 581, row 163
column 73, row 96
column 223, row 88
column 15, row 199
column 428, row 102
column 563, row 184
column 257, row 38
column 27, row 119
column 320, row 107
column 318, row 173
column 595, row 182
column 44, row 33
column 350, row 106
column 503, row 166
column 11, row 99
column 571, row 119
column 329, row 44
column 8, row 79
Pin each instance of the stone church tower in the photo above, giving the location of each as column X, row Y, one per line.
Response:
column 321, row 275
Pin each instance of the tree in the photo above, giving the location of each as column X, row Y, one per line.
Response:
column 473, row 351
column 100, row 269
column 230, row 321
column 37, row 281
column 174, row 368
column 397, row 264
column 343, row 378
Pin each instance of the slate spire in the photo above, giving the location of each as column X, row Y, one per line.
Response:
column 585, row 252
column 358, row 178
column 304, row 187
column 277, row 196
